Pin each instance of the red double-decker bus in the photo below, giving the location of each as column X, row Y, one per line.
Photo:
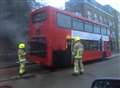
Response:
column 48, row 37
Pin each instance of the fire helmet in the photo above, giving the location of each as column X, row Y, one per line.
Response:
column 21, row 46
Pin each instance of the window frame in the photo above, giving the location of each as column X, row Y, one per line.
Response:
column 105, row 31
column 64, row 15
column 88, row 30
column 96, row 32
column 80, row 21
column 42, row 12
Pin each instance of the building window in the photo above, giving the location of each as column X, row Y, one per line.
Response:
column 118, row 18
column 63, row 20
column 77, row 24
column 95, row 17
column 108, row 32
column 104, row 30
column 110, row 23
column 89, row 15
column 113, row 34
column 113, row 23
column 101, row 19
column 88, row 27
column 78, row 14
column 97, row 29
column 105, row 21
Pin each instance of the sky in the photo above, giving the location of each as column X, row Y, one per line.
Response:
column 55, row 3
column 114, row 3
column 60, row 3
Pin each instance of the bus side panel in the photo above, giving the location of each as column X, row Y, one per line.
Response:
column 91, row 55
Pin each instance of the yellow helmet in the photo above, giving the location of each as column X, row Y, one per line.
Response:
column 21, row 46
column 76, row 38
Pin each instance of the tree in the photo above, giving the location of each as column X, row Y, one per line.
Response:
column 35, row 4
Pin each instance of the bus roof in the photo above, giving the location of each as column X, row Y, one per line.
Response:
column 72, row 14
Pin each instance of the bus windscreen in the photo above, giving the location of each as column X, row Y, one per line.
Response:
column 39, row 17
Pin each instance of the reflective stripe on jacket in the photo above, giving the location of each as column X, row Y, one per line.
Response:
column 21, row 55
column 78, row 54
column 77, row 50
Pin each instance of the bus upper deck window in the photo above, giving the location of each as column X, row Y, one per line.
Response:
column 39, row 17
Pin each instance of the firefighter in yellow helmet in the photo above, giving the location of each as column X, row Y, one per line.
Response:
column 77, row 52
column 21, row 58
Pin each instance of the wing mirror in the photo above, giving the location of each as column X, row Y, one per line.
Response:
column 106, row 83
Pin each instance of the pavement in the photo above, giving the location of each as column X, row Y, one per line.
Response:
column 114, row 55
column 7, row 63
column 62, row 78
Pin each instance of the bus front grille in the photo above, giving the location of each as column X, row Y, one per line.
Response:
column 38, row 47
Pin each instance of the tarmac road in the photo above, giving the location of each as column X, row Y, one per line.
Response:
column 64, row 79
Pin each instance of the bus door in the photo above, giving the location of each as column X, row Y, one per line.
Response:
column 69, row 51
column 63, row 58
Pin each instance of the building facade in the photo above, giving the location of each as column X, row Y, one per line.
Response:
column 97, row 12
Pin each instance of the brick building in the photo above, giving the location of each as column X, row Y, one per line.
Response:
column 103, row 14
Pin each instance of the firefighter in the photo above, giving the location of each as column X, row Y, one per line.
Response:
column 77, row 52
column 21, row 58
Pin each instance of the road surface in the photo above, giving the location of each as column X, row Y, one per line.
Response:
column 64, row 79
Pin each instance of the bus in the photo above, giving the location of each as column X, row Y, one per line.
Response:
column 48, row 34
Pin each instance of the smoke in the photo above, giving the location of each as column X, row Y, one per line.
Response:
column 14, row 16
